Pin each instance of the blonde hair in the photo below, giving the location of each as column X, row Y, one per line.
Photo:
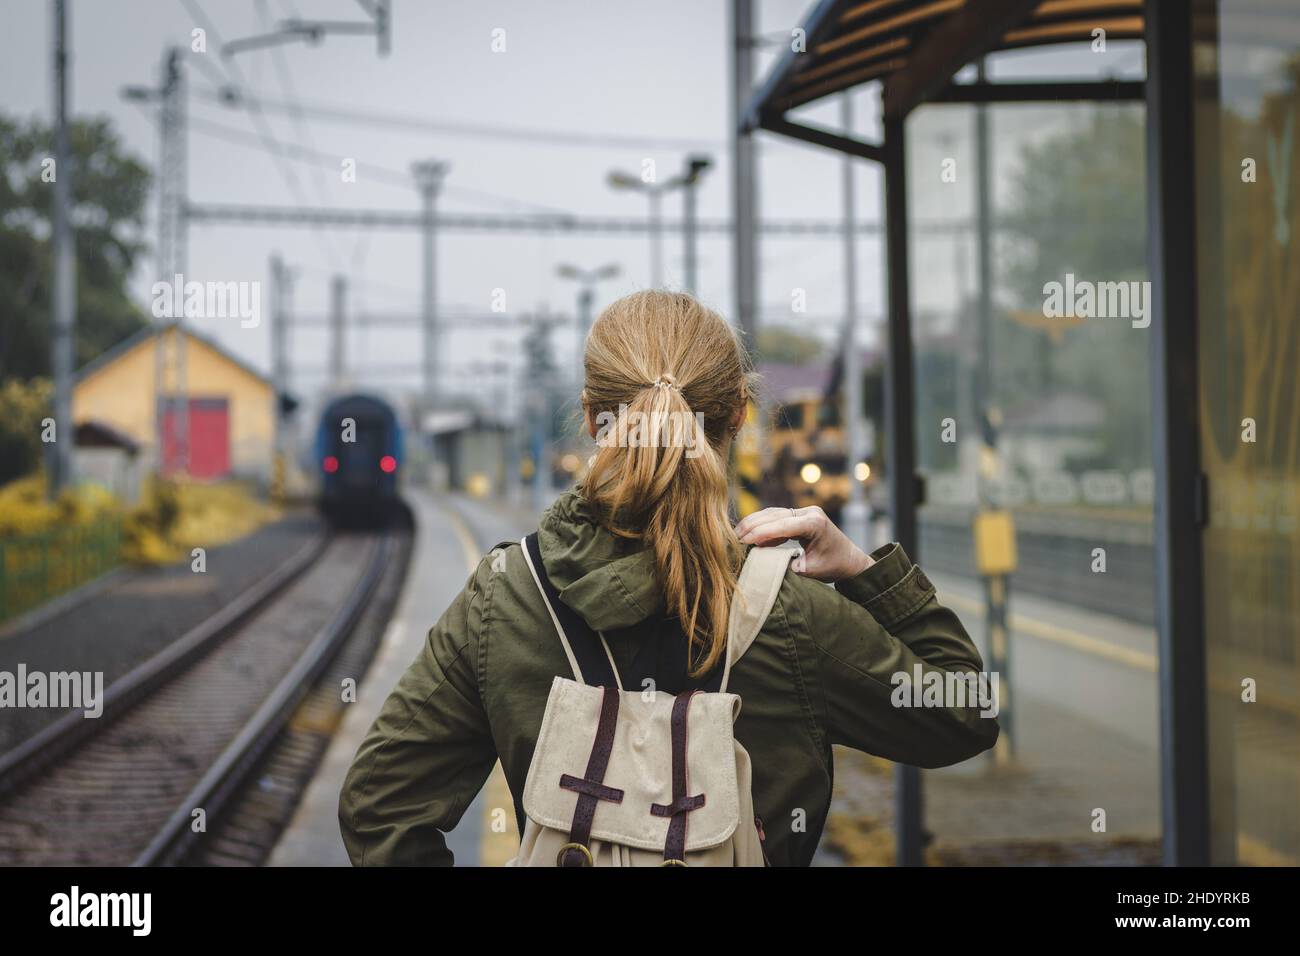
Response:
column 670, row 375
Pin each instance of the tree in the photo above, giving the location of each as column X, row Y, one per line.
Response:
column 1078, row 205
column 110, row 193
column 22, row 407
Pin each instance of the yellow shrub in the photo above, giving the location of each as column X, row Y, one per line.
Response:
column 24, row 508
column 172, row 518
column 176, row 516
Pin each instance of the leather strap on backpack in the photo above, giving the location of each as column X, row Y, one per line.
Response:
column 684, row 802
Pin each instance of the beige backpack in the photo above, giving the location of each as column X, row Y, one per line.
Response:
column 631, row 778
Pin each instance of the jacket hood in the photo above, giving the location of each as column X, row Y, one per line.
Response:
column 608, row 580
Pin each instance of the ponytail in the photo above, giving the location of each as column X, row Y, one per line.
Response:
column 665, row 380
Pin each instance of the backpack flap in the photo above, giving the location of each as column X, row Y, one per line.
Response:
column 639, row 771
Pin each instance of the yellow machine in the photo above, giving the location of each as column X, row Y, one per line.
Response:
column 749, row 463
column 807, row 461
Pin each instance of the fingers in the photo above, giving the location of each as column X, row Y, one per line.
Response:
column 781, row 527
column 749, row 522
column 768, row 515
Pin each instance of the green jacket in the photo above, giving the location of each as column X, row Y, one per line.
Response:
column 818, row 674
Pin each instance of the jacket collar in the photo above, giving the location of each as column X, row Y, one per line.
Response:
column 608, row 580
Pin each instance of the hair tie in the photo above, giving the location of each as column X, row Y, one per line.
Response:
column 666, row 381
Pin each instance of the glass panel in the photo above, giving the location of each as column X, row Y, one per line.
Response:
column 1246, row 60
column 1040, row 415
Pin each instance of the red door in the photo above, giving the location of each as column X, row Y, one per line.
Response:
column 209, row 439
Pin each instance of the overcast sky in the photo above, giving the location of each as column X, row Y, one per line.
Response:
column 582, row 87
column 638, row 80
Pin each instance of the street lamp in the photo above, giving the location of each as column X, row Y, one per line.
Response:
column 586, row 279
column 695, row 167
column 654, row 191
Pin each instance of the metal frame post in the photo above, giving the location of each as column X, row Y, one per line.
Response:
column 904, row 488
column 428, row 178
column 1180, row 489
column 279, row 372
column 586, row 298
column 338, row 331
column 743, row 192
column 63, row 319
column 855, row 508
column 654, row 196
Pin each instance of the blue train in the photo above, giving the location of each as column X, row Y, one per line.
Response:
column 358, row 450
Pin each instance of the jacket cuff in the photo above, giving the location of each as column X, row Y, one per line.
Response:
column 892, row 589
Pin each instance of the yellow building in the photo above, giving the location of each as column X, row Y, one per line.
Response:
column 231, row 425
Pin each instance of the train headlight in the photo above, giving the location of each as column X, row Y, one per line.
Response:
column 862, row 471
column 811, row 473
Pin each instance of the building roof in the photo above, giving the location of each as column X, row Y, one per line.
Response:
column 97, row 434
column 915, row 46
column 109, row 356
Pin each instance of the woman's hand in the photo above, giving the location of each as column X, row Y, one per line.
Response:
column 828, row 554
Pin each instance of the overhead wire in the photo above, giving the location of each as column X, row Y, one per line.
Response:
column 263, row 127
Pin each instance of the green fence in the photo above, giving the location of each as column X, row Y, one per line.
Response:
column 35, row 568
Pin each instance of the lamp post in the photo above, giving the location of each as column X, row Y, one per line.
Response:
column 695, row 167
column 654, row 192
column 586, row 279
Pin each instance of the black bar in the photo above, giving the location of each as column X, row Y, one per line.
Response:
column 226, row 906
column 822, row 137
column 959, row 39
column 901, row 438
column 1103, row 91
column 1171, row 217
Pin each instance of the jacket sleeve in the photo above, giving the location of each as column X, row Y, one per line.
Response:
column 428, row 752
column 871, row 633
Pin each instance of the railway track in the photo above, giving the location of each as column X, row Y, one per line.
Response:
column 184, row 735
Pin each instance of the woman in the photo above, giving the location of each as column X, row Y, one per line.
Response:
column 643, row 551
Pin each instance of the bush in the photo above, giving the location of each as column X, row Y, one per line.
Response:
column 175, row 517
column 25, row 510
column 22, row 407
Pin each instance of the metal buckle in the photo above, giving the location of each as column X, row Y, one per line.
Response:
column 559, row 857
column 674, row 863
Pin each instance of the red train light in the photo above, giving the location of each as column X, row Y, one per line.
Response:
column 330, row 464
column 388, row 464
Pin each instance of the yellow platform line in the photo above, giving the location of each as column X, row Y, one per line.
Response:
column 499, row 840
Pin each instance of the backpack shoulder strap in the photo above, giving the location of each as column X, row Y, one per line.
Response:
column 588, row 654
column 756, row 591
